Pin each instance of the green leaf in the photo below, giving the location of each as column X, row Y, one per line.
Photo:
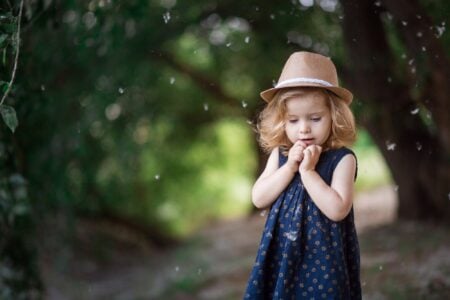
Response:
column 9, row 116
column 10, row 28
column 3, row 86
column 20, row 209
column 3, row 38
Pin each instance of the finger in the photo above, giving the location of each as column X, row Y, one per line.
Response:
column 316, row 150
column 301, row 143
column 295, row 154
column 301, row 156
column 310, row 148
column 302, row 151
column 293, row 147
column 307, row 152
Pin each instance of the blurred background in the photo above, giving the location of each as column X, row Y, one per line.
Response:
column 128, row 149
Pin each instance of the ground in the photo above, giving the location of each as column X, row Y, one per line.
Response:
column 399, row 260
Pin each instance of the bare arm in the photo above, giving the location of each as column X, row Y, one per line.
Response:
column 334, row 201
column 273, row 180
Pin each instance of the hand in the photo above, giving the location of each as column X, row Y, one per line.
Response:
column 295, row 155
column 310, row 158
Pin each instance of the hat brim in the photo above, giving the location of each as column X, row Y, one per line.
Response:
column 342, row 93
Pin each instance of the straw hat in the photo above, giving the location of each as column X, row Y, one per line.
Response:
column 306, row 69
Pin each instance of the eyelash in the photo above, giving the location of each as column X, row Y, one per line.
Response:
column 293, row 121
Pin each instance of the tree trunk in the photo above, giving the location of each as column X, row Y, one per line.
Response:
column 415, row 151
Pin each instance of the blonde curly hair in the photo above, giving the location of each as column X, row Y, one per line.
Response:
column 272, row 120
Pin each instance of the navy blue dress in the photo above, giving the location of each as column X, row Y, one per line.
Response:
column 303, row 254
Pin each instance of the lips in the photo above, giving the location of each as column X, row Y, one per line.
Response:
column 308, row 141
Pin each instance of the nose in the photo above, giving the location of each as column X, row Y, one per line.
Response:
column 304, row 127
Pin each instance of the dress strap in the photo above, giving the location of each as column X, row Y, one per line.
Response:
column 282, row 159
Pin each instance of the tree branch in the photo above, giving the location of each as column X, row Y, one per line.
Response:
column 418, row 33
column 200, row 79
column 16, row 59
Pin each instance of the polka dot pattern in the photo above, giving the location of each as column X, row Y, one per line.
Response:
column 303, row 254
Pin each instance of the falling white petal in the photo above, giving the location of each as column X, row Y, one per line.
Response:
column 166, row 17
column 418, row 146
column 390, row 146
column 415, row 111
column 440, row 30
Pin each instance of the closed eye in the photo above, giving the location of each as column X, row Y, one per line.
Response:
column 293, row 121
column 316, row 119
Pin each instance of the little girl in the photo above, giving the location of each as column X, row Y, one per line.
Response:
column 309, row 248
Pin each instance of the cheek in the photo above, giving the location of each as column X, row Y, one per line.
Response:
column 327, row 122
column 325, row 127
column 290, row 130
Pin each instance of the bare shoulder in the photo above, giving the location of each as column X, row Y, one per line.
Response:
column 346, row 168
column 274, row 154
column 272, row 163
column 347, row 160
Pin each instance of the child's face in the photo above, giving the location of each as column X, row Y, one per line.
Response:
column 308, row 119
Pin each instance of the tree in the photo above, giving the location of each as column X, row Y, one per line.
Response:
column 106, row 90
column 405, row 98
column 19, row 277
column 393, row 58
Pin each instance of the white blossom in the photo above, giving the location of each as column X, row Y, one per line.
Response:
column 390, row 146
column 415, row 111
column 166, row 17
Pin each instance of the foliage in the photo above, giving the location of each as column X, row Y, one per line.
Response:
column 9, row 116
column 111, row 127
column 372, row 169
column 10, row 37
column 18, row 270
column 19, row 277
column 141, row 108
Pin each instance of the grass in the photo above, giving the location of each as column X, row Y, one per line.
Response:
column 405, row 261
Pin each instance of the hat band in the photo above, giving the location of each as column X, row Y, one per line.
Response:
column 304, row 80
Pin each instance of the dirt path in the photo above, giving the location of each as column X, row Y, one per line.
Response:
column 399, row 261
